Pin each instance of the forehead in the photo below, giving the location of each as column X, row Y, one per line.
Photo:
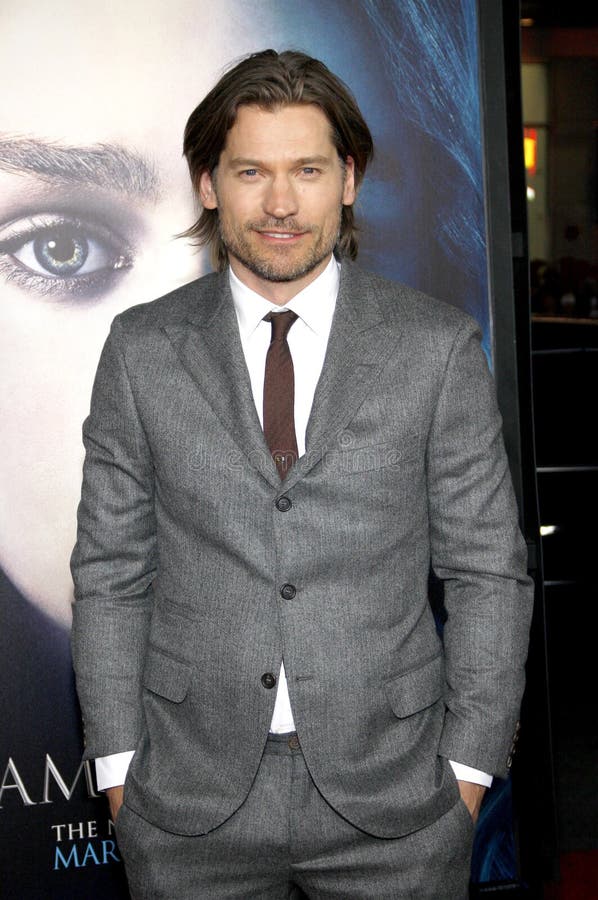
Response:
column 292, row 131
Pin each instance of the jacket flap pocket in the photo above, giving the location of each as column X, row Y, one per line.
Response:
column 166, row 676
column 416, row 689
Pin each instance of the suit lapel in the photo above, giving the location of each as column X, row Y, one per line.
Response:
column 358, row 349
column 209, row 347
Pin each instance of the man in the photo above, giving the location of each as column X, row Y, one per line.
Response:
column 276, row 455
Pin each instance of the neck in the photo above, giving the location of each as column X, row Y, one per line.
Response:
column 278, row 292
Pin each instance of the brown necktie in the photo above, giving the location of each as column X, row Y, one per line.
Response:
column 279, row 394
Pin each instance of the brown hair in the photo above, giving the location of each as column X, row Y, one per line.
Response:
column 269, row 79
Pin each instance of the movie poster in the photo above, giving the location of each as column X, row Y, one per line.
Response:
column 94, row 190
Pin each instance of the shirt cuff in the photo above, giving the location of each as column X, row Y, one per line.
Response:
column 111, row 771
column 466, row 773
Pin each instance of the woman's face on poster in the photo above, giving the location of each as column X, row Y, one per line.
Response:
column 93, row 189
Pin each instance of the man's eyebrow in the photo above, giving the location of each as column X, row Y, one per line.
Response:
column 317, row 160
column 104, row 165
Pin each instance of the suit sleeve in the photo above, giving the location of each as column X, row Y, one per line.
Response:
column 114, row 560
column 479, row 553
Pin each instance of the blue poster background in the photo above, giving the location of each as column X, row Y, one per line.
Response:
column 87, row 85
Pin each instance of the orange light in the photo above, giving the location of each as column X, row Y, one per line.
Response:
column 530, row 149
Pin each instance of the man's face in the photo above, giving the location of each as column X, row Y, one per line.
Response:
column 279, row 188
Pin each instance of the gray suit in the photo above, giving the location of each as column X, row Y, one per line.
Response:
column 192, row 581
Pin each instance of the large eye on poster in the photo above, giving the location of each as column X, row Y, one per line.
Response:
column 93, row 193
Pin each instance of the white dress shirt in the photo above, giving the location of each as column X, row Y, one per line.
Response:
column 307, row 340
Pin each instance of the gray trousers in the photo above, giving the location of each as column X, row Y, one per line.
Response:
column 286, row 841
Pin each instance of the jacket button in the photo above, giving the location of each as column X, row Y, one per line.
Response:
column 283, row 504
column 288, row 592
column 268, row 680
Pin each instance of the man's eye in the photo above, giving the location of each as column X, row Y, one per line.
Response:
column 57, row 254
column 250, row 173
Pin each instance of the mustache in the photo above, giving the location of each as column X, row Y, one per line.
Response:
column 288, row 225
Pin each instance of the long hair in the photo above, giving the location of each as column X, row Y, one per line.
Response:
column 436, row 45
column 270, row 80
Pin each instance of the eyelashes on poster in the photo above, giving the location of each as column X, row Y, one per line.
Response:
column 94, row 190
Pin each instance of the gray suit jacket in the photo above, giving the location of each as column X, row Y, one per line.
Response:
column 183, row 552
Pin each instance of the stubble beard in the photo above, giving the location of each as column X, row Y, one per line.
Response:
column 275, row 264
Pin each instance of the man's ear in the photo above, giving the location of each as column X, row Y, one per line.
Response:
column 207, row 190
column 349, row 190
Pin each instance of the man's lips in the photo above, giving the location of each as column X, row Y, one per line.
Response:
column 282, row 235
column 272, row 234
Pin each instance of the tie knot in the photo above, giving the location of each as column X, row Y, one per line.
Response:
column 281, row 323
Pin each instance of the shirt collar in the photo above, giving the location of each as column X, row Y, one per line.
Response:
column 314, row 304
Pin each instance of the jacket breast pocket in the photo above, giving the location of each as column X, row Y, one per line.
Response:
column 355, row 460
column 417, row 689
column 165, row 676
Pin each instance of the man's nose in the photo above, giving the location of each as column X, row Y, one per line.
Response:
column 280, row 199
